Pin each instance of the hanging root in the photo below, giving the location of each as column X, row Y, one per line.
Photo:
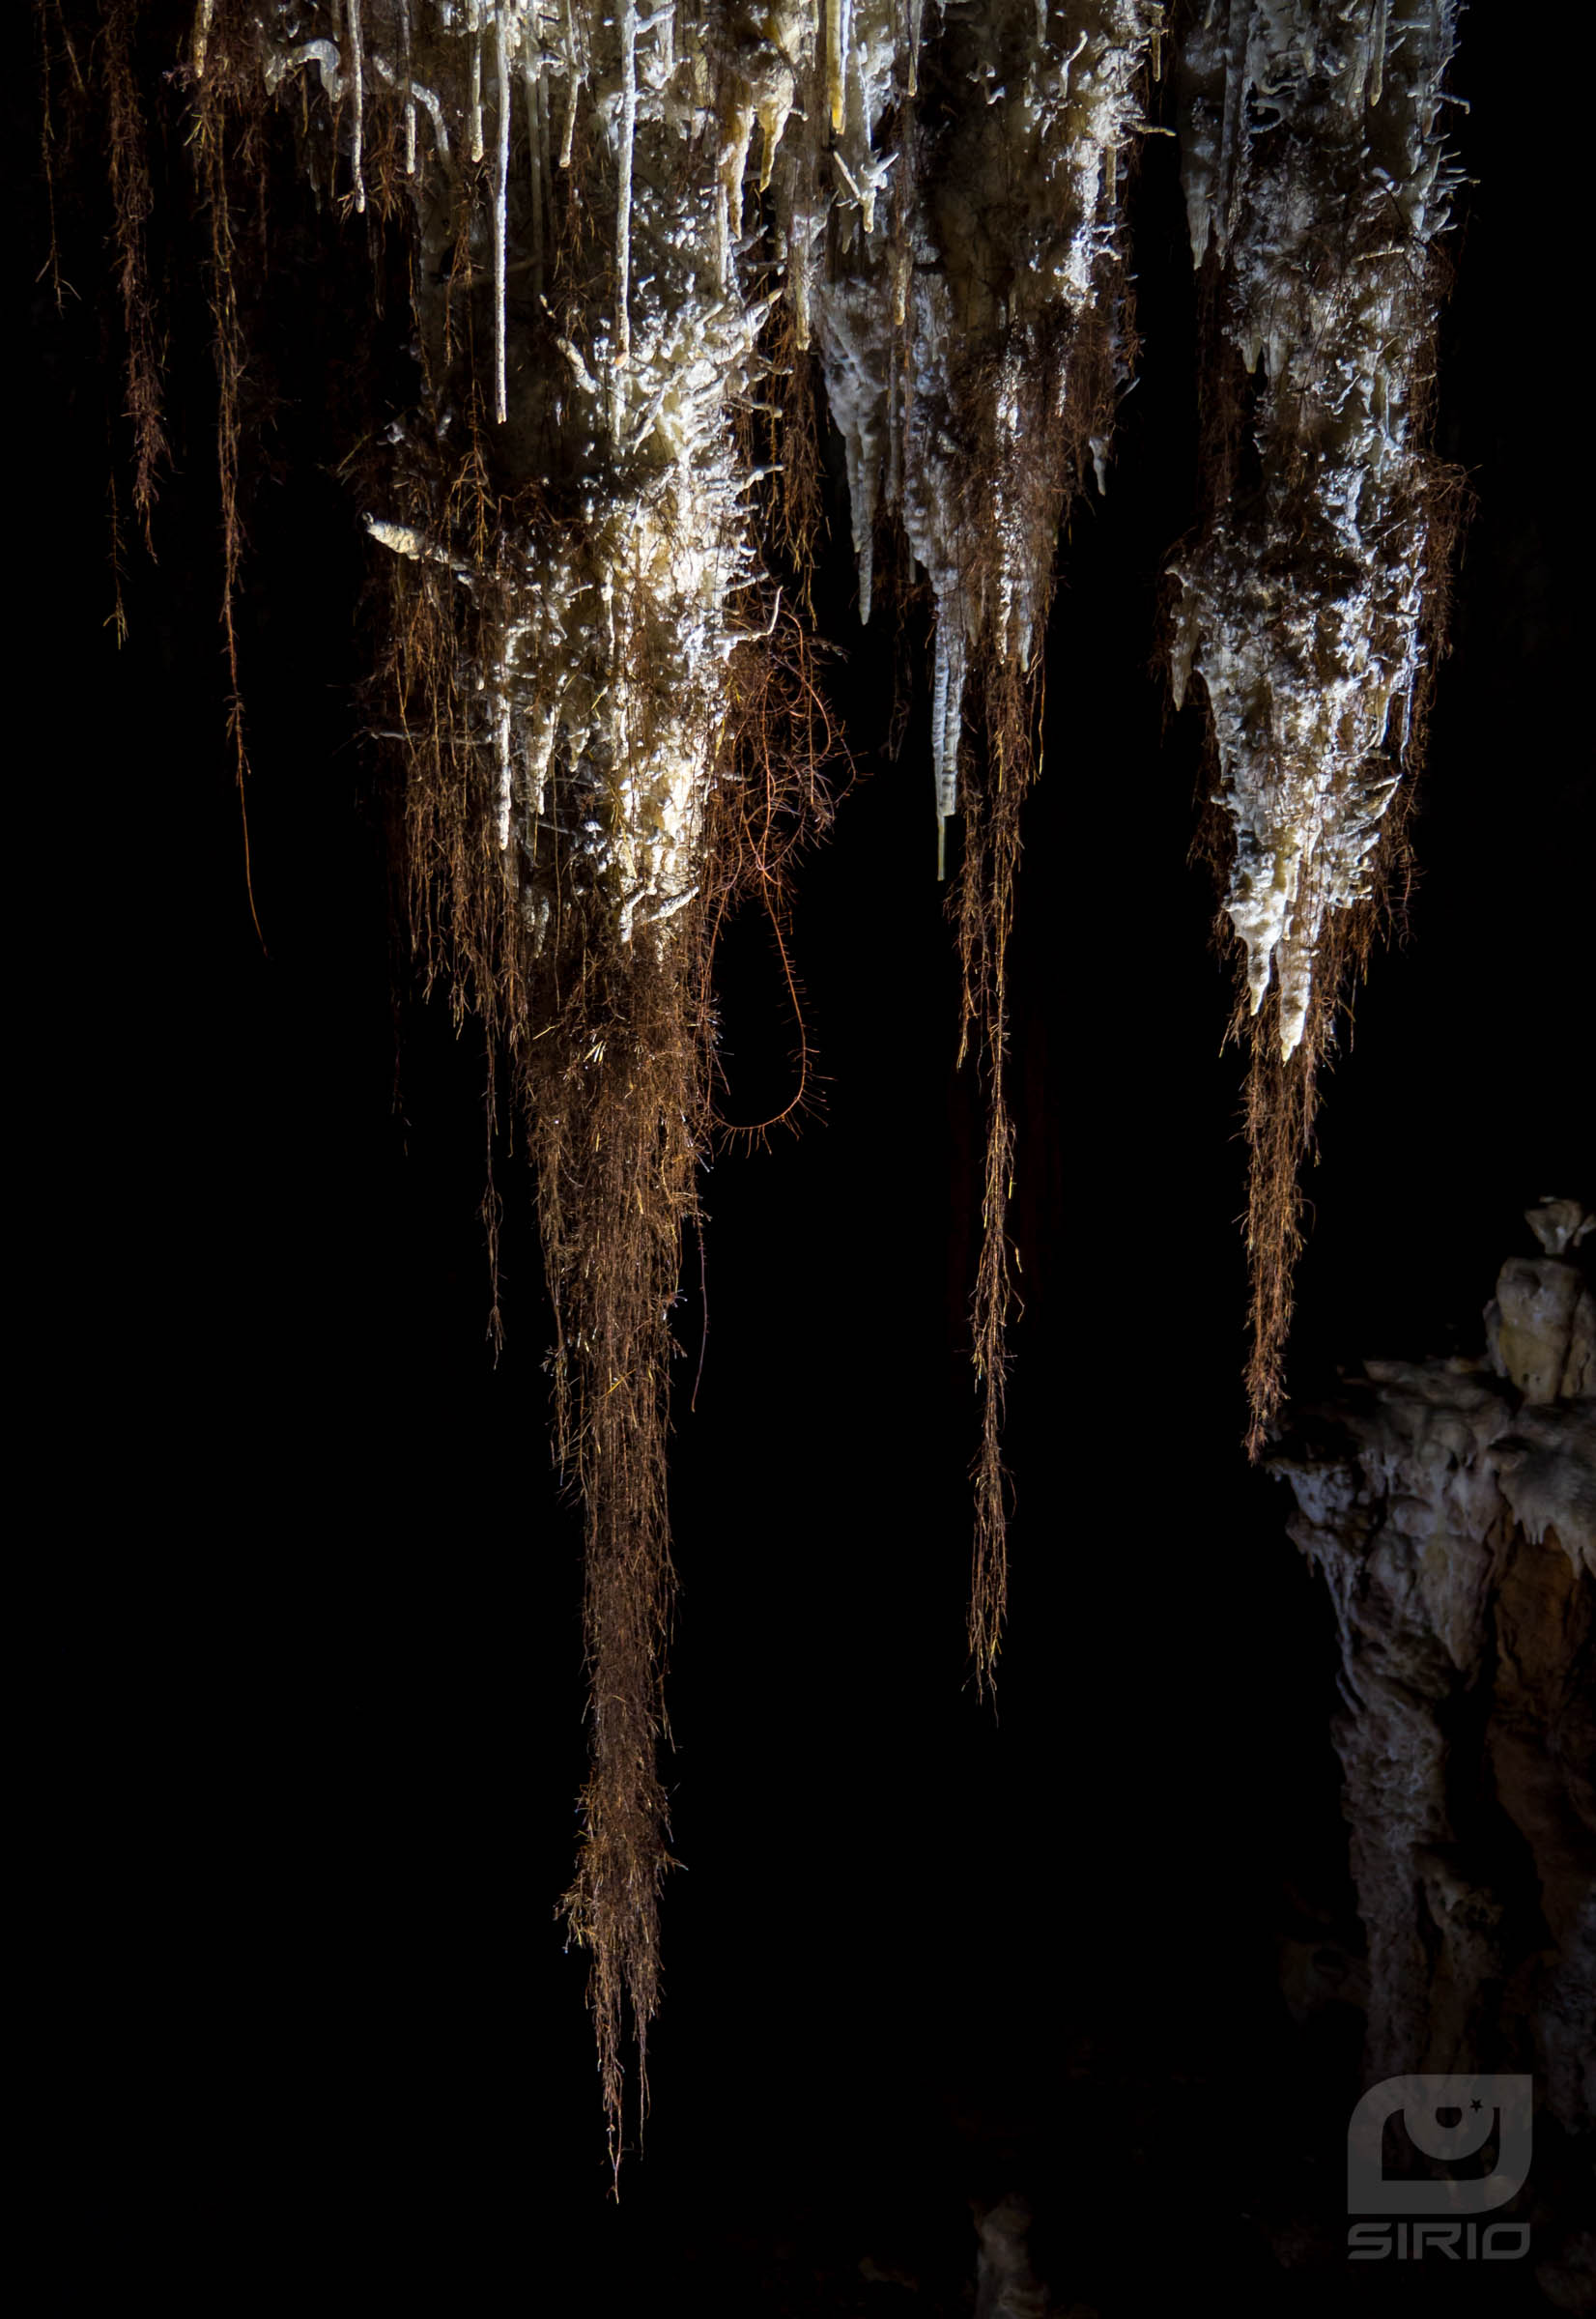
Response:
column 217, row 93
column 1045, row 425
column 616, row 1180
column 128, row 169
column 1280, row 1103
column 985, row 908
column 618, row 1129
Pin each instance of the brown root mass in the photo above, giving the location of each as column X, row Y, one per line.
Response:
column 1280, row 1099
column 1072, row 390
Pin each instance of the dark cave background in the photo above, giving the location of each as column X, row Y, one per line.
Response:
column 309, row 1642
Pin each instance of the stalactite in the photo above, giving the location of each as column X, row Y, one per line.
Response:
column 473, row 27
column 623, row 190
column 500, row 210
column 570, row 586
column 410, row 94
column 1317, row 184
column 532, row 89
column 357, row 87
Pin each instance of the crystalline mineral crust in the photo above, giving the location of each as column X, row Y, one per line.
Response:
column 945, row 330
column 936, row 254
column 1315, row 172
column 606, row 618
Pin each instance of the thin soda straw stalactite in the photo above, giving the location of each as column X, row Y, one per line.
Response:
column 358, row 89
column 500, row 213
column 623, row 191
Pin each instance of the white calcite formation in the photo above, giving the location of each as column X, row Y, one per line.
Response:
column 1450, row 1507
column 716, row 161
column 1007, row 2286
column 969, row 243
column 1316, row 175
column 597, row 662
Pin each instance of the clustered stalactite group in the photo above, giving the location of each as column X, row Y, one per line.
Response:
column 639, row 236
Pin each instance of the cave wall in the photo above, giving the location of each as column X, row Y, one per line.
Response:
column 1449, row 1506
